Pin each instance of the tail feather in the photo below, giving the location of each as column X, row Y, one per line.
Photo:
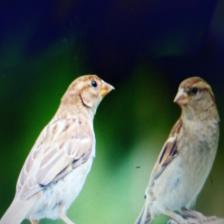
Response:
column 145, row 216
column 16, row 212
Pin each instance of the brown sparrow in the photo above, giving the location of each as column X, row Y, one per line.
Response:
column 186, row 157
column 57, row 166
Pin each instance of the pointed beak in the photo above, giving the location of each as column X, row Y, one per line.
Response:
column 181, row 98
column 105, row 89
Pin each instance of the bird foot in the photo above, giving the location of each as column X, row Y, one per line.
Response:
column 196, row 217
column 188, row 221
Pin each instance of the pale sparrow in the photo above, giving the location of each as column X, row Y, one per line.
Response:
column 57, row 166
column 186, row 157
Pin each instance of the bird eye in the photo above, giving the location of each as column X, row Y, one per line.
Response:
column 94, row 83
column 193, row 91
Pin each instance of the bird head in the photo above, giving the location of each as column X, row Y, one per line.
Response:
column 195, row 96
column 192, row 91
column 87, row 91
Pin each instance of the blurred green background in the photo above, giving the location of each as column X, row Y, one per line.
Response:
column 144, row 48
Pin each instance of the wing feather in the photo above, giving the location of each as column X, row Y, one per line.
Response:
column 168, row 153
column 63, row 145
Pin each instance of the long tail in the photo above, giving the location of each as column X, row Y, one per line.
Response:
column 16, row 212
column 145, row 216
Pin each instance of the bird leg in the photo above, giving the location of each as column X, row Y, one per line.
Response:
column 175, row 218
column 171, row 222
column 65, row 219
column 34, row 221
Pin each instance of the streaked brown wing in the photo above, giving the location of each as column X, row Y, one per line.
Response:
column 62, row 146
column 168, row 152
column 61, row 163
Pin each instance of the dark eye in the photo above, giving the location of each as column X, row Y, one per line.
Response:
column 193, row 91
column 94, row 83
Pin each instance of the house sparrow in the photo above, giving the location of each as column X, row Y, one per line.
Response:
column 186, row 157
column 57, row 166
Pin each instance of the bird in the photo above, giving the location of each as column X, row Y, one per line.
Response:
column 186, row 158
column 61, row 158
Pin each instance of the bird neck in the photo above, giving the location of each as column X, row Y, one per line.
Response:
column 207, row 113
column 71, row 110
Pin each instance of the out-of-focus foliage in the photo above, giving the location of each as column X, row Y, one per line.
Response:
column 144, row 49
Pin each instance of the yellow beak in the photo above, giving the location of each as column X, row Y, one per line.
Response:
column 105, row 89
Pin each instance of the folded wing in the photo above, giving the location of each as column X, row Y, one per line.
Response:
column 62, row 146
